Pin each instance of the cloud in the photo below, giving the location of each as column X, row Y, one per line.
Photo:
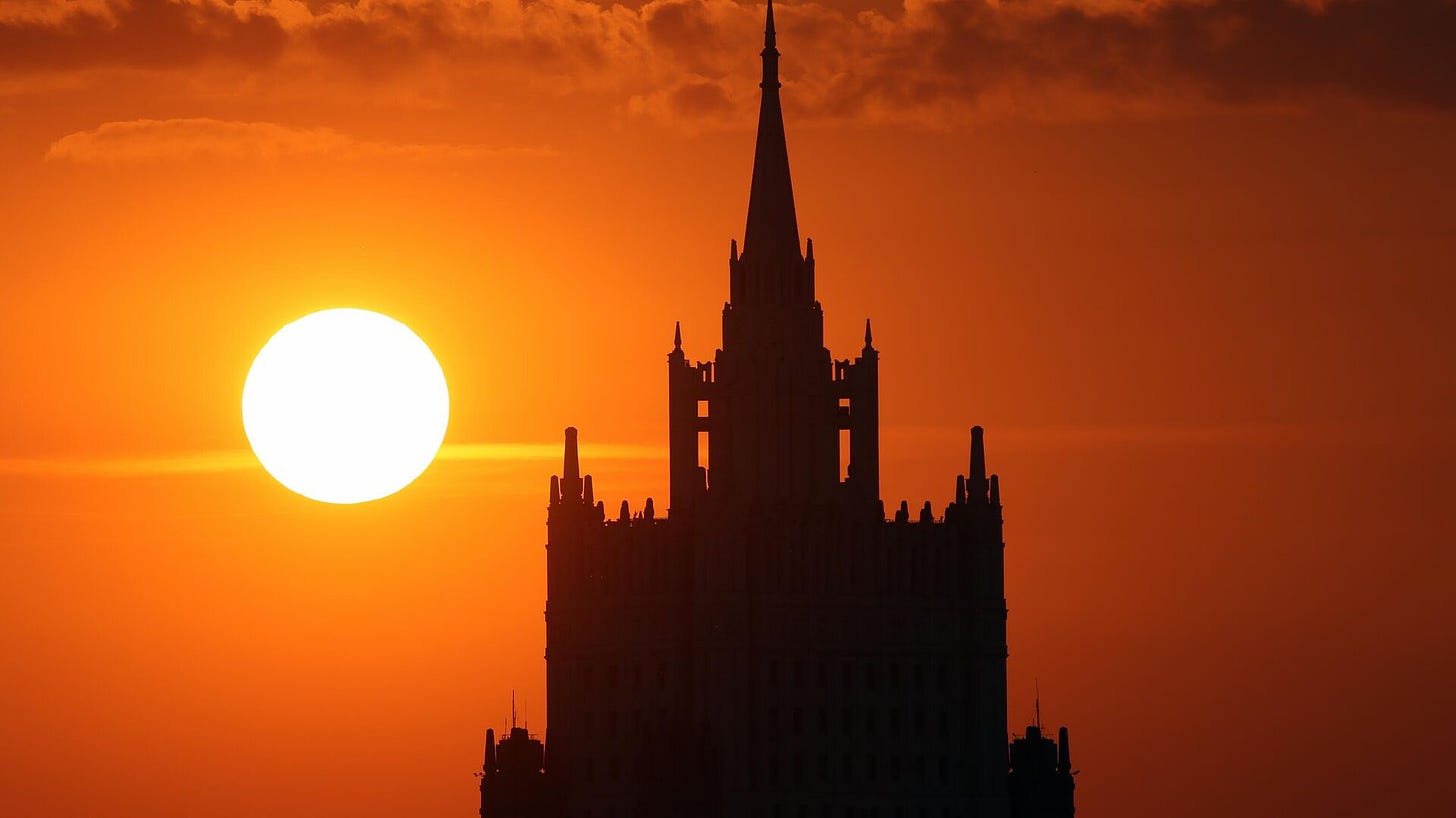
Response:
column 931, row 59
column 213, row 462
column 52, row 34
column 152, row 140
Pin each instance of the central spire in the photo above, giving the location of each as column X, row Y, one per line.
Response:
column 773, row 229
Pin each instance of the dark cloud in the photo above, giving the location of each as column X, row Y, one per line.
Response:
column 1233, row 50
column 140, row 33
column 934, row 58
column 700, row 99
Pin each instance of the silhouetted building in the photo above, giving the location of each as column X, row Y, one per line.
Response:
column 772, row 646
column 1041, row 781
column 513, row 780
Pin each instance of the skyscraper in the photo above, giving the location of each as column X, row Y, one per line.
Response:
column 772, row 646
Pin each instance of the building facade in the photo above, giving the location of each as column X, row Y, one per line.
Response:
column 771, row 645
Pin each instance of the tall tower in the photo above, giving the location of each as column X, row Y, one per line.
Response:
column 773, row 645
column 775, row 401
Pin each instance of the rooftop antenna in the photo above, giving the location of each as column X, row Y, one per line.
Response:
column 513, row 709
column 1037, row 683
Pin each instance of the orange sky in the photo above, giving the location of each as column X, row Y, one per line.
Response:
column 1191, row 264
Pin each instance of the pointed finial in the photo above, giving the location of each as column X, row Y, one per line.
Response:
column 648, row 512
column 1037, row 682
column 1064, row 752
column 995, row 491
column 555, row 490
column 626, row 513
column 513, row 710
column 869, row 336
column 960, row 489
column 809, row 249
column 769, row 40
column 677, row 336
column 733, row 249
column 587, row 490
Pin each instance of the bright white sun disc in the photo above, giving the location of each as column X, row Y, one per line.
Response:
column 345, row 406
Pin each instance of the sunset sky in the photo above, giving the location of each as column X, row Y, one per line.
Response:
column 1192, row 263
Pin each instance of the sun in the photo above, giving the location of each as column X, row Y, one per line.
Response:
column 345, row 406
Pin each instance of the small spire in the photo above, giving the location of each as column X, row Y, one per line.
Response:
column 587, row 490
column 769, row 40
column 626, row 513
column 995, row 491
column 489, row 767
column 571, row 467
column 809, row 249
column 677, row 336
column 1064, row 752
column 960, row 489
column 648, row 512
column 976, row 483
column 869, row 336
column 555, row 489
column 733, row 249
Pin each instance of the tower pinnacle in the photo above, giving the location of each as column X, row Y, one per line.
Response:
column 773, row 229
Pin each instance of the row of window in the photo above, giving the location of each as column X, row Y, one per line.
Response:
column 894, row 720
column 894, row 675
column 820, row 810
column 893, row 767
